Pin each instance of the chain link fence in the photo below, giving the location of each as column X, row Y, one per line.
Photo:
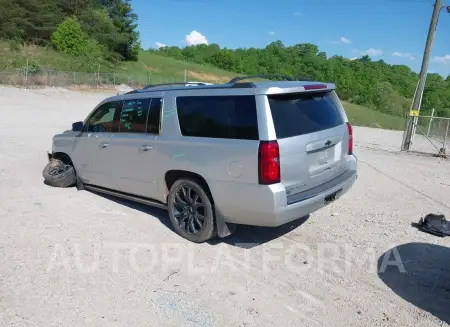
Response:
column 431, row 135
column 54, row 78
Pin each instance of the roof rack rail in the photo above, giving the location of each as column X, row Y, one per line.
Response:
column 240, row 78
column 131, row 92
column 174, row 83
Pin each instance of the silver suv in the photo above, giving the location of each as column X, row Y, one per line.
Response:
column 253, row 153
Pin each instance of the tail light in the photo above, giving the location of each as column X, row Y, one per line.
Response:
column 350, row 138
column 269, row 162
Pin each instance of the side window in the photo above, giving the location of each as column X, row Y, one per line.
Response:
column 154, row 116
column 102, row 120
column 229, row 117
column 133, row 117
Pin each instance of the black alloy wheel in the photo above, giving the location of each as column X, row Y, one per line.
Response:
column 191, row 210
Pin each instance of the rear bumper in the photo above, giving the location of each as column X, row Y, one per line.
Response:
column 310, row 204
column 260, row 205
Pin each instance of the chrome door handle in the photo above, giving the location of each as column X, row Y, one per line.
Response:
column 104, row 145
column 146, row 147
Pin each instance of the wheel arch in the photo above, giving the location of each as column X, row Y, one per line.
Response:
column 64, row 157
column 171, row 176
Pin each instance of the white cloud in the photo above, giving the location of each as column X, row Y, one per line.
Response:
column 373, row 52
column 353, row 58
column 271, row 33
column 442, row 60
column 160, row 45
column 345, row 40
column 403, row 55
column 195, row 38
column 298, row 14
column 342, row 40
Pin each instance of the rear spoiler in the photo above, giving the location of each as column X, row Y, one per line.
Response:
column 310, row 87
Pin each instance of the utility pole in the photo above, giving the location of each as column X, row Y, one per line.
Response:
column 415, row 109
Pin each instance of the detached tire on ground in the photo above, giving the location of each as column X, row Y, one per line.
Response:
column 58, row 174
column 191, row 211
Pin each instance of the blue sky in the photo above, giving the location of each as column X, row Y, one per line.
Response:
column 392, row 30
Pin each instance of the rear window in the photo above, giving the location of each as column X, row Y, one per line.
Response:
column 227, row 117
column 304, row 113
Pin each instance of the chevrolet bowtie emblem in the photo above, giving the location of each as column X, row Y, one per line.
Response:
column 327, row 143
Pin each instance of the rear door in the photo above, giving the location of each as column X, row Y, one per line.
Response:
column 312, row 136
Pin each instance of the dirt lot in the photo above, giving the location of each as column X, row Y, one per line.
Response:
column 70, row 258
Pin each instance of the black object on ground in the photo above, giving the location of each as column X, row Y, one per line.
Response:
column 434, row 224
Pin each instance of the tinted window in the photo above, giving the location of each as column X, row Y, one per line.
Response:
column 102, row 120
column 133, row 117
column 229, row 117
column 153, row 121
column 304, row 113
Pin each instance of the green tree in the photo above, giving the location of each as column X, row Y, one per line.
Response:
column 112, row 23
column 70, row 39
column 222, row 59
column 30, row 20
column 99, row 26
column 125, row 21
column 388, row 100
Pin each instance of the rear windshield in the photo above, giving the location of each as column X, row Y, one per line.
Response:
column 303, row 113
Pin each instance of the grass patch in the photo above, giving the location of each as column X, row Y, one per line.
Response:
column 161, row 69
column 14, row 57
column 363, row 116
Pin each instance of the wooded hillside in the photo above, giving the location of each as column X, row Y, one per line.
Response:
column 376, row 84
column 104, row 28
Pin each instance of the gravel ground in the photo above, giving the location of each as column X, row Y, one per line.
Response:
column 70, row 258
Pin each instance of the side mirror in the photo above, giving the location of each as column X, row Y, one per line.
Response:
column 77, row 127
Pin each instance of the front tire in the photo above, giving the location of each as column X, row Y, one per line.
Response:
column 191, row 211
column 58, row 174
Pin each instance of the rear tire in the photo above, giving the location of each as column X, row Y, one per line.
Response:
column 191, row 211
column 58, row 174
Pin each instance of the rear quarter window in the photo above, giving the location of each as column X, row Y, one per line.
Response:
column 304, row 113
column 227, row 117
